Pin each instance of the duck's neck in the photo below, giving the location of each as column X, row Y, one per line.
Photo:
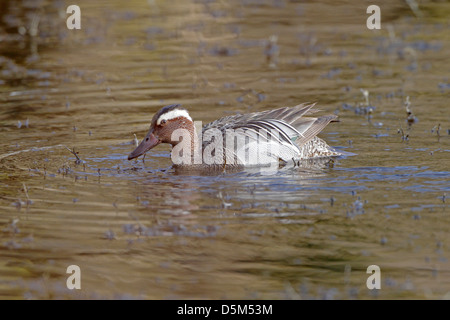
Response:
column 184, row 144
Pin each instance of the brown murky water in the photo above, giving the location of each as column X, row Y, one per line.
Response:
column 141, row 230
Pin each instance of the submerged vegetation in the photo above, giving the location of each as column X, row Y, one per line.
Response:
column 75, row 101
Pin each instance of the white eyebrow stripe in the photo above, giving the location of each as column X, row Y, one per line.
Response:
column 173, row 114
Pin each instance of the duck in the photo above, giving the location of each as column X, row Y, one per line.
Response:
column 277, row 136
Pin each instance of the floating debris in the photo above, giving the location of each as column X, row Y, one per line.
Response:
column 20, row 124
column 12, row 227
column 169, row 230
column 110, row 235
column 18, row 204
column 272, row 51
column 405, row 137
column 224, row 203
column 28, row 239
column 411, row 118
column 12, row 245
column 332, row 73
column 64, row 170
column 128, row 228
column 222, row 51
column 78, row 161
column 366, row 95
column 356, row 208
column 359, row 110
column 26, row 194
column 437, row 128
column 367, row 109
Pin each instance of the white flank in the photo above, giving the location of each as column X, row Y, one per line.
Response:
column 173, row 114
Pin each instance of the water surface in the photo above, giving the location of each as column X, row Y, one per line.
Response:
column 139, row 229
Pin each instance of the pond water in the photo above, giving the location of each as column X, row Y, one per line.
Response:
column 141, row 230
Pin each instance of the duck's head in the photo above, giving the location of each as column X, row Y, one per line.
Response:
column 164, row 123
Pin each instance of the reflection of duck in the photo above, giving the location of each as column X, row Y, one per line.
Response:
column 258, row 138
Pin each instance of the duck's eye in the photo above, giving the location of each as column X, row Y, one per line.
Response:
column 163, row 122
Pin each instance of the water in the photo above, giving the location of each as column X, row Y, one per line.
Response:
column 139, row 229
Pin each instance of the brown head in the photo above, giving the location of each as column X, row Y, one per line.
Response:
column 164, row 123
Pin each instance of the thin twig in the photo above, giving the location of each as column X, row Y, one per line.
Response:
column 2, row 156
column 78, row 161
column 404, row 137
column 26, row 193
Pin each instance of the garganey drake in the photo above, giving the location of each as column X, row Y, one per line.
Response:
column 259, row 138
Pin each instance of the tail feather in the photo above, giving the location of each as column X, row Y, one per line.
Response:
column 314, row 129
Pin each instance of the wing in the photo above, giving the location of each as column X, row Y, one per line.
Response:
column 285, row 114
column 284, row 130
